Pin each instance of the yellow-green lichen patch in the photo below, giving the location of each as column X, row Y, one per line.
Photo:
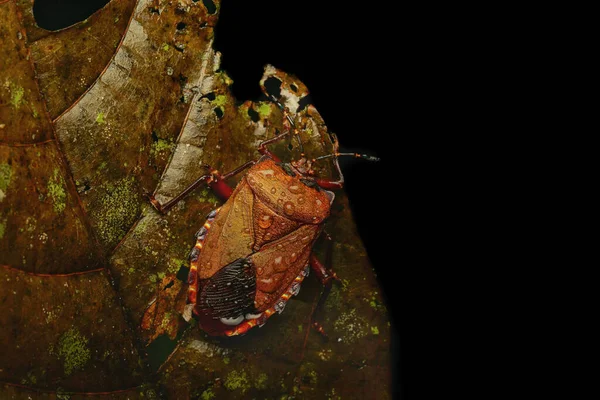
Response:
column 374, row 302
column 5, row 174
column 165, row 47
column 161, row 145
column 264, row 110
column 2, row 228
column 73, row 350
column 225, row 78
column 175, row 264
column 351, row 327
column 308, row 373
column 100, row 118
column 261, row 381
column 208, row 196
column 118, row 210
column 325, row 354
column 375, row 330
column 220, row 100
column 56, row 190
column 208, row 394
column 16, row 95
column 237, row 380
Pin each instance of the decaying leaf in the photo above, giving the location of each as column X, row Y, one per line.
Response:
column 90, row 281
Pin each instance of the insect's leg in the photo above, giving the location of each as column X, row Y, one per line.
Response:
column 326, row 276
column 214, row 179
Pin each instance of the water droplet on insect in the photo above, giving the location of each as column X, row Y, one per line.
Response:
column 265, row 221
column 246, row 230
column 280, row 202
column 279, row 246
column 294, row 188
column 301, row 200
column 260, row 184
column 289, row 208
column 293, row 257
column 273, row 190
column 282, row 194
column 251, row 180
column 319, row 202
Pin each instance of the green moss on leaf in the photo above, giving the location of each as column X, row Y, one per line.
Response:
column 264, row 110
column 100, row 118
column 118, row 210
column 16, row 95
column 5, row 174
column 237, row 380
column 73, row 350
column 261, row 382
column 56, row 190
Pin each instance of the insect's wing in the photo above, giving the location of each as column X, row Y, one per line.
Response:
column 231, row 235
column 278, row 263
column 230, row 292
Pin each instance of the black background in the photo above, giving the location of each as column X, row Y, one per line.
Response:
column 349, row 59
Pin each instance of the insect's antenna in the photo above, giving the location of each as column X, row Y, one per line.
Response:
column 291, row 121
column 355, row 155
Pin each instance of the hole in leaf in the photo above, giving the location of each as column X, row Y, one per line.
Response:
column 290, row 146
column 154, row 136
column 210, row 96
column 210, row 6
column 294, row 88
column 183, row 273
column 160, row 349
column 273, row 87
column 219, row 112
column 303, row 103
column 253, row 115
column 55, row 14
column 181, row 26
column 169, row 285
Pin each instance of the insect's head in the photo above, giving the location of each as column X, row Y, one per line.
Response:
column 304, row 165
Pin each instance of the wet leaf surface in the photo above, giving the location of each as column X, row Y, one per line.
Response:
column 81, row 244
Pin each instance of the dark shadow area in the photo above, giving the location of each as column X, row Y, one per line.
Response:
column 54, row 15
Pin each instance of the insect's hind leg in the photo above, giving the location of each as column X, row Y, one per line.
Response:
column 326, row 276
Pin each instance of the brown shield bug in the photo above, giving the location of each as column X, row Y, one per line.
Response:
column 253, row 252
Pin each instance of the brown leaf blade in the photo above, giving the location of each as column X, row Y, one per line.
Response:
column 67, row 62
column 42, row 227
column 65, row 332
column 23, row 117
column 117, row 137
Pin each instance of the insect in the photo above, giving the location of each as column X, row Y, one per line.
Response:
column 253, row 252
